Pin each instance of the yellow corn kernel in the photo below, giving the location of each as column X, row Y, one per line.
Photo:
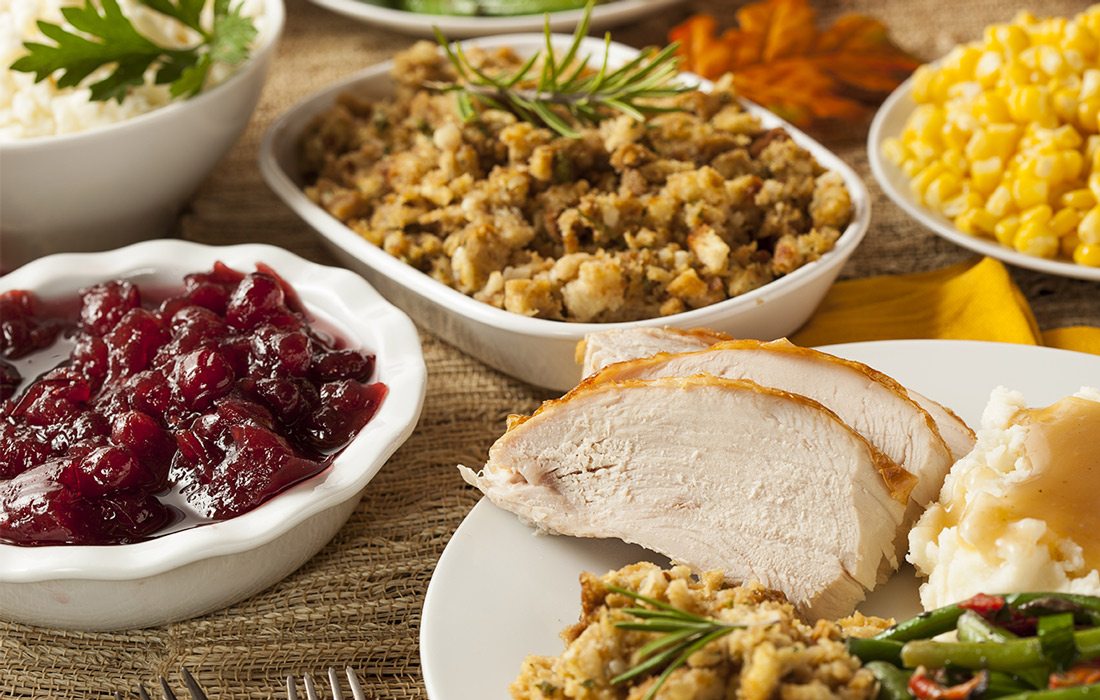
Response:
column 960, row 203
column 925, row 177
column 1078, row 38
column 1065, row 222
column 994, row 140
column 941, row 189
column 1065, row 102
column 923, row 153
column 1005, row 230
column 1066, row 136
column 1089, row 228
column 1090, row 85
column 922, row 83
column 1078, row 199
column 991, row 108
column 1071, row 164
column 911, row 168
column 1030, row 103
column 1012, row 37
column 1094, row 184
column 1087, row 254
column 1036, row 240
column 1087, row 111
column 1041, row 214
column 985, row 174
column 926, row 124
column 1043, row 167
column 963, row 60
column 895, row 151
column 1051, row 61
column 1000, row 202
column 1068, row 244
column 955, row 161
column 1027, row 191
column 976, row 222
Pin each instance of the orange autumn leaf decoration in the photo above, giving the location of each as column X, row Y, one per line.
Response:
column 780, row 60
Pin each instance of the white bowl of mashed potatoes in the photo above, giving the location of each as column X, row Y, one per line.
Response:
column 80, row 175
column 1019, row 512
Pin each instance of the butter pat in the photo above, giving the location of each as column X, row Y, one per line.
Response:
column 1021, row 512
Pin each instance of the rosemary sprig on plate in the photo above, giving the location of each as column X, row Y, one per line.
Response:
column 561, row 91
column 681, row 635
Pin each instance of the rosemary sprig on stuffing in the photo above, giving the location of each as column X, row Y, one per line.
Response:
column 561, row 92
column 681, row 635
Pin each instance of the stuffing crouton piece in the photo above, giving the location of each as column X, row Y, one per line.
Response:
column 599, row 288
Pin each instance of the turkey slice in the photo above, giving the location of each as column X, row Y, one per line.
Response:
column 714, row 473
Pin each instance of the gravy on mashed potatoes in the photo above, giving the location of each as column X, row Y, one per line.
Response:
column 1019, row 513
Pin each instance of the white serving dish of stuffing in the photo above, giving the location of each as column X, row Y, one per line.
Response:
column 493, row 544
column 889, row 123
column 537, row 350
column 195, row 571
column 80, row 176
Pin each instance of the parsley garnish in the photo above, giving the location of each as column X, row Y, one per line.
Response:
column 110, row 38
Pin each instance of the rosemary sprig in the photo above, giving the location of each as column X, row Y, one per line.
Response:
column 564, row 91
column 681, row 635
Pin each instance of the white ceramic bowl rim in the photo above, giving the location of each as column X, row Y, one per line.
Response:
column 286, row 185
column 400, row 365
column 934, row 221
column 274, row 18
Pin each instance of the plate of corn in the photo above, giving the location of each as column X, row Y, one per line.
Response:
column 996, row 146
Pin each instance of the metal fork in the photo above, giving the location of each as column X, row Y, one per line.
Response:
column 334, row 683
column 188, row 680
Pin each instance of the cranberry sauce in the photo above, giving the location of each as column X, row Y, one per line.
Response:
column 134, row 420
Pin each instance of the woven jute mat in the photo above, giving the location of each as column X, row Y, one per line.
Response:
column 358, row 602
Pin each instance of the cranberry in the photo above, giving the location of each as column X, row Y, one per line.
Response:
column 342, row 364
column 90, row 356
column 134, row 342
column 257, row 298
column 346, row 406
column 276, row 352
column 36, row 509
column 141, row 434
column 290, row 399
column 104, row 305
column 21, row 448
column 21, row 332
column 89, row 428
column 103, row 471
column 193, row 326
column 10, row 380
column 293, row 302
column 149, row 393
column 239, row 412
column 56, row 397
column 131, row 517
column 202, row 376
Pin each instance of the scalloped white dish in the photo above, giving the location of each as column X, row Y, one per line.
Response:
column 205, row 568
column 610, row 14
column 888, row 123
column 535, row 350
column 500, row 592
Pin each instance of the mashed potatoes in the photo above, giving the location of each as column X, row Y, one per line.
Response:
column 1020, row 512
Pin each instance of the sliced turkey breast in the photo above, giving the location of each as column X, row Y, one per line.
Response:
column 714, row 473
column 957, row 435
column 875, row 406
column 598, row 350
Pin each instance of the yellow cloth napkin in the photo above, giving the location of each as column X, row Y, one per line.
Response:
column 972, row 301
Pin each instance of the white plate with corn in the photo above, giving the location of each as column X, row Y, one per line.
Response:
column 996, row 146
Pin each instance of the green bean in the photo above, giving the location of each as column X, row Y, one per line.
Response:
column 893, row 682
column 1003, row 684
column 1081, row 691
column 875, row 650
column 923, row 626
column 996, row 656
column 975, row 628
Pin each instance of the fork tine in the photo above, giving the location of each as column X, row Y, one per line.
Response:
column 311, row 690
column 334, row 683
column 291, row 691
column 143, row 693
column 353, row 681
column 192, row 685
column 168, row 694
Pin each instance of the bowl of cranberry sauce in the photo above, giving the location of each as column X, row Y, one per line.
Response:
column 202, row 418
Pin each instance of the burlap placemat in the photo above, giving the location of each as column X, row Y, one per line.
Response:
column 358, row 602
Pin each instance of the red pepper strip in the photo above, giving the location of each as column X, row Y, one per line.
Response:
column 984, row 605
column 925, row 687
column 1085, row 673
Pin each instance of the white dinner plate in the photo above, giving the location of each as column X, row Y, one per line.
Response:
column 611, row 14
column 889, row 122
column 500, row 592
